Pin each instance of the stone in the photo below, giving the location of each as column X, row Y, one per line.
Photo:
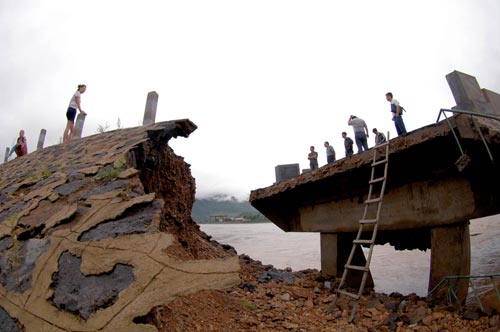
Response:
column 71, row 187
column 114, row 185
column 414, row 316
column 83, row 295
column 136, row 220
column 129, row 172
column 9, row 324
column 92, row 170
column 17, row 264
column 471, row 315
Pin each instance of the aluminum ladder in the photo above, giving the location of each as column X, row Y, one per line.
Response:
column 373, row 205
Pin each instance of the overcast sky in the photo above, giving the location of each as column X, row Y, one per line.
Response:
column 262, row 80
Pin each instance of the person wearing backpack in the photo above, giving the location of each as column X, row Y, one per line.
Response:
column 379, row 137
column 348, row 143
column 397, row 114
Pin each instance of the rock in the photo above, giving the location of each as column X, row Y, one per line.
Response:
column 84, row 295
column 471, row 315
column 248, row 287
column 9, row 324
column 414, row 316
column 17, row 263
column 392, row 305
column 391, row 318
column 427, row 320
column 286, row 297
column 494, row 321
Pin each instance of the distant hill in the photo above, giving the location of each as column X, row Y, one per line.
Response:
column 230, row 207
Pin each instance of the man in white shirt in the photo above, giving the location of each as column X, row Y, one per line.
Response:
column 397, row 114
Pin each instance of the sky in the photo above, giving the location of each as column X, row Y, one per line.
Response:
column 262, row 80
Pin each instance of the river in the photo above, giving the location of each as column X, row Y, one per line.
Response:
column 402, row 271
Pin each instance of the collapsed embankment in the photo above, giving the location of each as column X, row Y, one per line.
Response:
column 96, row 232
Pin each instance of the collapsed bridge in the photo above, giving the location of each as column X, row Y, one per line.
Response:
column 440, row 177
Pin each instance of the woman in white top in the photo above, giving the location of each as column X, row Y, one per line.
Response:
column 74, row 104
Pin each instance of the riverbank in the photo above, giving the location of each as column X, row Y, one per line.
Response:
column 268, row 299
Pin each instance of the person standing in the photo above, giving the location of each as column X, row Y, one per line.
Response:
column 397, row 114
column 360, row 132
column 348, row 143
column 379, row 137
column 21, row 145
column 313, row 158
column 330, row 153
column 74, row 104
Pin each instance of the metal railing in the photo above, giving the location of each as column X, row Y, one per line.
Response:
column 452, row 292
column 473, row 114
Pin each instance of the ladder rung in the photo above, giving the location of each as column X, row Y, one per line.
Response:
column 377, row 180
column 382, row 161
column 374, row 200
column 382, row 144
column 357, row 267
column 368, row 221
column 355, row 296
column 362, row 241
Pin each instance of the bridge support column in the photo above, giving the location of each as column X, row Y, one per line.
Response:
column 450, row 256
column 335, row 250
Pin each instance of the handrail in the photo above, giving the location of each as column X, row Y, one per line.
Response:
column 483, row 115
column 447, row 280
column 443, row 111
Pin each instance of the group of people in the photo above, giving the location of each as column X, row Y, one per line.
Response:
column 361, row 134
column 21, row 146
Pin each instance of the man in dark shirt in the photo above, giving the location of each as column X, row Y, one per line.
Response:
column 348, row 143
column 313, row 158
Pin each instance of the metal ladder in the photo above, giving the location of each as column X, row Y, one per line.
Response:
column 375, row 181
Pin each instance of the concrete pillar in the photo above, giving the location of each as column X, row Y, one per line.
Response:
column 41, row 139
column 335, row 250
column 328, row 246
column 6, row 155
column 467, row 92
column 450, row 256
column 78, row 128
column 494, row 99
column 150, row 111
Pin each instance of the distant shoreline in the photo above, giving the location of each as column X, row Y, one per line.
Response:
column 233, row 222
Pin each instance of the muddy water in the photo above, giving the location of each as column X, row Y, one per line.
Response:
column 402, row 271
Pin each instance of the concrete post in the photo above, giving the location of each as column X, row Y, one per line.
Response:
column 78, row 128
column 328, row 245
column 41, row 139
column 6, row 155
column 467, row 92
column 450, row 256
column 150, row 111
